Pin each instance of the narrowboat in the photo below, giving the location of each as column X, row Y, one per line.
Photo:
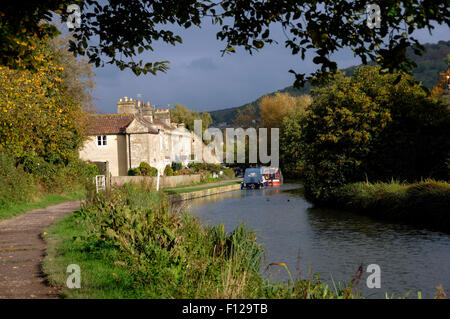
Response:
column 253, row 178
column 272, row 176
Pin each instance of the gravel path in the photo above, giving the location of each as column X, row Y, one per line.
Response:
column 22, row 251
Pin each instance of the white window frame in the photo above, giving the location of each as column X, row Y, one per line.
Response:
column 102, row 140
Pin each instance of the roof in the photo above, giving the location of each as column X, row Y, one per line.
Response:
column 149, row 124
column 108, row 124
column 163, row 125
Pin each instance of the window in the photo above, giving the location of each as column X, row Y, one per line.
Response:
column 101, row 140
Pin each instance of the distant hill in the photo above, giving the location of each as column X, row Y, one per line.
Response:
column 428, row 67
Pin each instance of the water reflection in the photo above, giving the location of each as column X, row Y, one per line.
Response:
column 332, row 243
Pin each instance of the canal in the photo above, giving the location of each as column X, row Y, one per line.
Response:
column 332, row 243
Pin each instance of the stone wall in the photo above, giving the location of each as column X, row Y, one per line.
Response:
column 204, row 192
column 164, row 181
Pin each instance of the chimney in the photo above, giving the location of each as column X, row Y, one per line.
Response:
column 163, row 115
column 127, row 106
column 147, row 112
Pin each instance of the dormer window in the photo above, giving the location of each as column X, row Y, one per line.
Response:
column 101, row 140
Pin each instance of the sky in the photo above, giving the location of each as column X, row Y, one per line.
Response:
column 204, row 80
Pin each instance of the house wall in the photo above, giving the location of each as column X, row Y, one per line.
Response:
column 114, row 152
column 180, row 141
column 139, row 149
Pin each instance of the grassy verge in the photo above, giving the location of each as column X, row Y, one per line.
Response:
column 188, row 190
column 10, row 211
column 202, row 182
column 128, row 245
column 425, row 203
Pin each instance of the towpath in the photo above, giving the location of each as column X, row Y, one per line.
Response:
column 22, row 250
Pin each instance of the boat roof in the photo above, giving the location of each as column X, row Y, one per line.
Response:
column 269, row 170
column 253, row 169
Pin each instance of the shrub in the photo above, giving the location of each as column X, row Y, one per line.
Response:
column 168, row 171
column 228, row 172
column 134, row 171
column 15, row 184
column 38, row 167
column 176, row 166
column 92, row 170
column 170, row 255
column 146, row 170
column 372, row 126
column 425, row 203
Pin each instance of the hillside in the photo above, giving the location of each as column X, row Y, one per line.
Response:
column 428, row 67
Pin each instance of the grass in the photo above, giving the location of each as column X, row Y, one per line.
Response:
column 129, row 245
column 188, row 190
column 101, row 278
column 425, row 203
column 202, row 182
column 13, row 210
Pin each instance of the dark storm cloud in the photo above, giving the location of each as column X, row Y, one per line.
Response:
column 202, row 64
column 202, row 79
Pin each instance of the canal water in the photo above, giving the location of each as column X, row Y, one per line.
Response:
column 332, row 243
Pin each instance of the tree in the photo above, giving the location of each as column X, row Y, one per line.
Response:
column 372, row 126
column 78, row 76
column 291, row 145
column 40, row 113
column 116, row 31
column 274, row 109
column 181, row 114
column 206, row 120
column 246, row 117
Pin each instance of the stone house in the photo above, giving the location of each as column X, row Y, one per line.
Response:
column 137, row 134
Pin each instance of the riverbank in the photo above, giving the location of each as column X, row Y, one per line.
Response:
column 425, row 203
column 186, row 193
column 128, row 245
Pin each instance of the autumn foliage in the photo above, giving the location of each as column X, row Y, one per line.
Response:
column 38, row 117
column 372, row 127
column 275, row 108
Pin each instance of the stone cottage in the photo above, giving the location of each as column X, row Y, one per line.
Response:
column 137, row 134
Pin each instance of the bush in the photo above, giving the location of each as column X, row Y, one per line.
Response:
column 146, row 170
column 75, row 175
column 92, row 170
column 207, row 169
column 42, row 170
column 228, row 172
column 16, row 185
column 425, row 203
column 134, row 171
column 170, row 255
column 176, row 166
column 168, row 171
column 370, row 126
